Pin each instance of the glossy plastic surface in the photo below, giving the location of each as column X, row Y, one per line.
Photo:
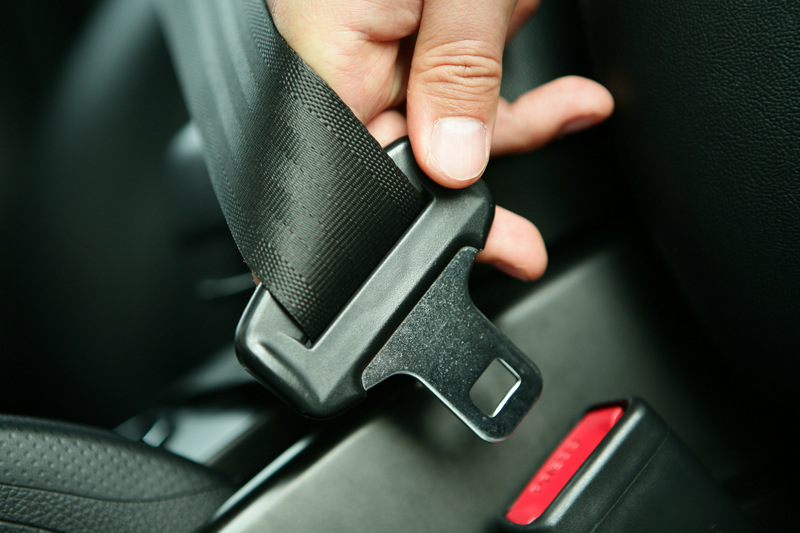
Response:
column 562, row 464
column 640, row 477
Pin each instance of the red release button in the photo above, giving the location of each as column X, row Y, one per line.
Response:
column 562, row 464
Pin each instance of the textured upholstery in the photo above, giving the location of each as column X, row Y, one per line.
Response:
column 69, row 478
column 708, row 125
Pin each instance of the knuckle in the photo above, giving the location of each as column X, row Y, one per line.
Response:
column 464, row 70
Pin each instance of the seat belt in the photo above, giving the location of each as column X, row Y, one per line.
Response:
column 311, row 199
column 326, row 219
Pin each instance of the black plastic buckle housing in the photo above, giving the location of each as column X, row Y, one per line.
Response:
column 641, row 477
column 413, row 315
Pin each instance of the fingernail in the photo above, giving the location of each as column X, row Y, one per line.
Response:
column 458, row 145
column 513, row 271
column 578, row 124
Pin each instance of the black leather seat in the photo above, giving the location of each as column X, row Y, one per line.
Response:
column 68, row 478
column 707, row 124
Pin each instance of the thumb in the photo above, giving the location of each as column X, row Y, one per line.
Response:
column 454, row 86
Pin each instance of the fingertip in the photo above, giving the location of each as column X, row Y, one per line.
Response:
column 587, row 97
column 459, row 148
column 515, row 246
column 513, row 271
column 453, row 151
column 582, row 123
column 604, row 98
column 387, row 127
column 560, row 107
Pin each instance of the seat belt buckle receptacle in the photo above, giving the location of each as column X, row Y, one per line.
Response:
column 413, row 315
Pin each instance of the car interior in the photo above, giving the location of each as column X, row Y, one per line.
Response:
column 672, row 294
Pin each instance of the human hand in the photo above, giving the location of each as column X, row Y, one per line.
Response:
column 443, row 59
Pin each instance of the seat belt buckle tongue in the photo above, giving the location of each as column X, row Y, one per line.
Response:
column 413, row 315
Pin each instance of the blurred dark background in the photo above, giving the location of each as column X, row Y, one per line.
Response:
column 119, row 274
column 36, row 36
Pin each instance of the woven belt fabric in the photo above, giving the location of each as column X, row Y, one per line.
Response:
column 311, row 199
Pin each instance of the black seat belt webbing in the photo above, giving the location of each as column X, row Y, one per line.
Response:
column 312, row 200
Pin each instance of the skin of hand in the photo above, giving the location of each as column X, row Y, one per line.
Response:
column 443, row 60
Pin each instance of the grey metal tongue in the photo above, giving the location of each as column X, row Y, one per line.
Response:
column 423, row 347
